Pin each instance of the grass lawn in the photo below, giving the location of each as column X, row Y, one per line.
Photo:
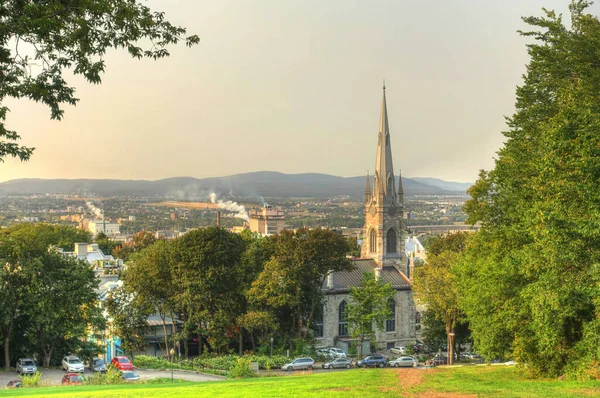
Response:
column 473, row 381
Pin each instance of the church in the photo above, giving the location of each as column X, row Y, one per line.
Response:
column 382, row 254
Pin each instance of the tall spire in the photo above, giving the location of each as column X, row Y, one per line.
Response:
column 384, row 169
column 400, row 189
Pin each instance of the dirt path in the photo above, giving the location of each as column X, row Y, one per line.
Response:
column 408, row 378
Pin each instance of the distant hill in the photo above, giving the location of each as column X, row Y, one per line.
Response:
column 447, row 185
column 249, row 185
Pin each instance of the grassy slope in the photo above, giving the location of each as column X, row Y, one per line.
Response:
column 479, row 381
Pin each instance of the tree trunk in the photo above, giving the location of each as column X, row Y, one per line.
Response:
column 360, row 347
column 300, row 320
column 252, row 339
column 241, row 342
column 6, row 353
column 450, row 340
column 186, row 348
column 313, row 304
column 164, row 324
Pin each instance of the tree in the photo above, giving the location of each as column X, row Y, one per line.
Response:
column 368, row 309
column 528, row 281
column 40, row 39
column 258, row 321
column 148, row 279
column 210, row 276
column 293, row 277
column 105, row 244
column 23, row 250
column 435, row 286
column 129, row 319
column 138, row 242
column 61, row 303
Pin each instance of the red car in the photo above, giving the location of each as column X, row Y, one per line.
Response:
column 122, row 363
column 72, row 379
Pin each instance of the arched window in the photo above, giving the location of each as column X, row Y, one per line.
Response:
column 343, row 319
column 390, row 324
column 372, row 241
column 391, row 241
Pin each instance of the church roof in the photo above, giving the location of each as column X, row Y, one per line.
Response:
column 344, row 280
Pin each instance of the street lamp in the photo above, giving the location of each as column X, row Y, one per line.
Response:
column 172, row 353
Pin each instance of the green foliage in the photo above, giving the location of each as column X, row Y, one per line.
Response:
column 368, row 309
column 112, row 376
column 105, row 244
column 34, row 380
column 48, row 295
column 298, row 264
column 241, row 369
column 41, row 39
column 529, row 280
column 129, row 319
column 138, row 242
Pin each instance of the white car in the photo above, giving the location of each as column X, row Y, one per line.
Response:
column 335, row 352
column 398, row 350
column 71, row 363
column 402, row 362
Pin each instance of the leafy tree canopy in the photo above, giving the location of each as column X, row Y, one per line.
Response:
column 529, row 280
column 40, row 39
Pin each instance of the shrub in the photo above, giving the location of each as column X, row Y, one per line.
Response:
column 33, row 380
column 241, row 369
column 112, row 376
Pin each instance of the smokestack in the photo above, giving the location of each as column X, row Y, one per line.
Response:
column 218, row 218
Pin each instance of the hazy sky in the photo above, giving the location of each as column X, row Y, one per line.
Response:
column 295, row 86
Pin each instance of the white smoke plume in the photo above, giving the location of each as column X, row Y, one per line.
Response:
column 97, row 212
column 238, row 210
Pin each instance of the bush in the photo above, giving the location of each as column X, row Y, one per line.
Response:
column 148, row 362
column 241, row 369
column 112, row 376
column 34, row 380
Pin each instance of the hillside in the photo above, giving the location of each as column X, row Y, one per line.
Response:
column 251, row 185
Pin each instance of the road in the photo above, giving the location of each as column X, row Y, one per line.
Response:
column 54, row 376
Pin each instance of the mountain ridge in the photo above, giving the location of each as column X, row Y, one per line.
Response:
column 253, row 184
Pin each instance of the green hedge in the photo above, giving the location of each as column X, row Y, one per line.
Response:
column 225, row 362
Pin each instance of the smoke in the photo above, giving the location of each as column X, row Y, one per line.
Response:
column 97, row 212
column 239, row 211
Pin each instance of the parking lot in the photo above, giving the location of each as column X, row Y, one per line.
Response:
column 54, row 376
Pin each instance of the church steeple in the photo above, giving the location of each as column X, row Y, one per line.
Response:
column 384, row 232
column 384, row 168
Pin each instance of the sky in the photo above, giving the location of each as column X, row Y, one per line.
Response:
column 295, row 86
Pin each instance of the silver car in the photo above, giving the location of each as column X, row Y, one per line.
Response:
column 26, row 366
column 338, row 363
column 97, row 365
column 402, row 362
column 299, row 363
column 71, row 363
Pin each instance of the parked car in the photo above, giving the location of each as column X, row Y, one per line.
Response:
column 97, row 365
column 338, row 363
column 72, row 379
column 402, row 362
column 372, row 361
column 26, row 366
column 299, row 363
column 130, row 376
column 335, row 352
column 398, row 350
column 14, row 384
column 122, row 363
column 71, row 363
column 324, row 352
